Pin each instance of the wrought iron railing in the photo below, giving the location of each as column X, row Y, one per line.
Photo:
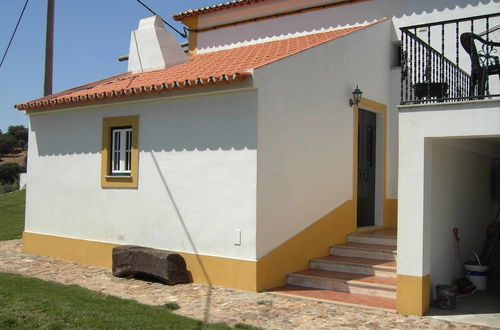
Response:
column 437, row 60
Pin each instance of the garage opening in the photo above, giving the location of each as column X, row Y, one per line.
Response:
column 462, row 189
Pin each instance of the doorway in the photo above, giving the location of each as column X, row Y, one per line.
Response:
column 367, row 133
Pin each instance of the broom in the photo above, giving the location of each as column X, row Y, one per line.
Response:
column 464, row 285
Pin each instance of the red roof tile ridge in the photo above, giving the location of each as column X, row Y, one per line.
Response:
column 86, row 86
column 66, row 97
column 217, row 7
column 253, row 42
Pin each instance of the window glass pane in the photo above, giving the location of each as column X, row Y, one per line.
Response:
column 121, row 147
column 116, row 150
column 117, row 140
column 128, row 146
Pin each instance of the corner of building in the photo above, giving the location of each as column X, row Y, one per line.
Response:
column 413, row 294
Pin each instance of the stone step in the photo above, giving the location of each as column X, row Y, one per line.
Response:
column 379, row 237
column 355, row 265
column 346, row 282
column 337, row 297
column 362, row 250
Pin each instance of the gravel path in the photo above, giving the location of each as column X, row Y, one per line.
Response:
column 214, row 304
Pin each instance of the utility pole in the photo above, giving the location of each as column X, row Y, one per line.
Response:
column 49, row 48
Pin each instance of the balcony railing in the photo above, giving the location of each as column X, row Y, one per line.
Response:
column 449, row 61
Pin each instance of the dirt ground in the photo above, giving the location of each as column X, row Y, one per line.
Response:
column 18, row 158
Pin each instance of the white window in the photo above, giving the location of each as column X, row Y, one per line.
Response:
column 121, row 151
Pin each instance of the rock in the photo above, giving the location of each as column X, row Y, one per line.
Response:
column 147, row 263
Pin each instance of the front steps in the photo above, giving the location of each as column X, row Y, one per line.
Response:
column 364, row 267
column 355, row 265
column 364, row 250
column 346, row 282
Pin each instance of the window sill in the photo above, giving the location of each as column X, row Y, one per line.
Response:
column 118, row 181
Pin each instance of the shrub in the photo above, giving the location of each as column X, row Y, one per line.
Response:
column 9, row 173
column 6, row 188
column 172, row 306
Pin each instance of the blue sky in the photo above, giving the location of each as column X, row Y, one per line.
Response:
column 89, row 37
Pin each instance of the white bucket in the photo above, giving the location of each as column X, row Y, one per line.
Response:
column 478, row 275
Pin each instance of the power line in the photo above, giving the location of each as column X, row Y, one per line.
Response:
column 184, row 35
column 14, row 33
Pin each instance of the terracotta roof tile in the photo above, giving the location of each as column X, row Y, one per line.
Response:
column 213, row 8
column 230, row 65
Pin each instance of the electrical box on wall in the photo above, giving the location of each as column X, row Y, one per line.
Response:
column 237, row 237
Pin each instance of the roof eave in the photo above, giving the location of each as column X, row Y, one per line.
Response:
column 66, row 101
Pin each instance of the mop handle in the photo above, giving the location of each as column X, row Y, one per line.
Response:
column 455, row 233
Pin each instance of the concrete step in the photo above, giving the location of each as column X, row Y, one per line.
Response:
column 346, row 282
column 365, row 266
column 362, row 250
column 379, row 237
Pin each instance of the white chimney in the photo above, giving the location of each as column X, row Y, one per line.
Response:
column 153, row 48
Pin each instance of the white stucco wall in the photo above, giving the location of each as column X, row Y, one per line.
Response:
column 197, row 176
column 460, row 197
column 403, row 13
column 417, row 126
column 23, row 180
column 306, row 127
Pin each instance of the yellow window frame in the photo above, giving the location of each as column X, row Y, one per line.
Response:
column 113, row 181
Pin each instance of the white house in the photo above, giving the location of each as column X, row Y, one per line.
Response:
column 247, row 158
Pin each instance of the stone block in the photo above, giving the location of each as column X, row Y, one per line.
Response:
column 148, row 263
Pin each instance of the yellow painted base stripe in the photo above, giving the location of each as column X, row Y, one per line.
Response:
column 268, row 272
column 413, row 294
column 313, row 242
column 391, row 213
column 82, row 251
column 227, row 272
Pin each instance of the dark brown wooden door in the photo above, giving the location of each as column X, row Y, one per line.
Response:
column 367, row 132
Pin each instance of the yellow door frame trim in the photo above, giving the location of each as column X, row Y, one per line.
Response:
column 381, row 109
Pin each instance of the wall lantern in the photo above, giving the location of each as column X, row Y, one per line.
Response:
column 356, row 96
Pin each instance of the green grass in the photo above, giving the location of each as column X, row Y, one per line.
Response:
column 12, row 215
column 33, row 303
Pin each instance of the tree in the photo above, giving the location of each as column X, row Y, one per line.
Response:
column 7, row 144
column 9, row 173
column 21, row 144
column 19, row 132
